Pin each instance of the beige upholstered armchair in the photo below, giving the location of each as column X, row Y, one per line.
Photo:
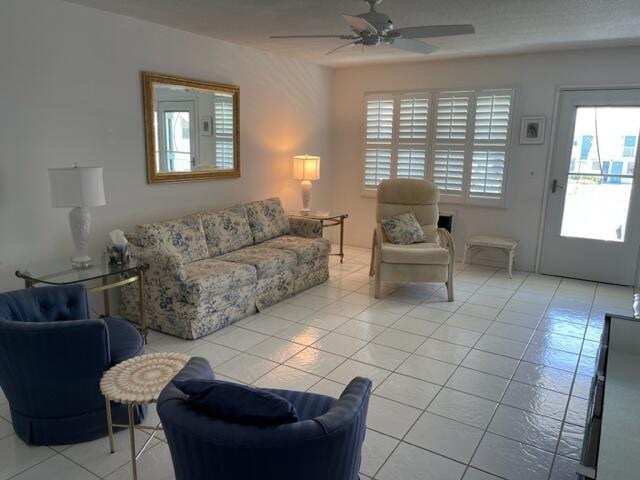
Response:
column 431, row 261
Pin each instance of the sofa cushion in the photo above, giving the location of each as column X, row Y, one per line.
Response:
column 417, row 253
column 267, row 219
column 306, row 249
column 216, row 277
column 267, row 261
column 184, row 236
column 226, row 230
column 237, row 403
column 125, row 341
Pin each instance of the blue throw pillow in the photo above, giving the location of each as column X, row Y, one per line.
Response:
column 238, row 403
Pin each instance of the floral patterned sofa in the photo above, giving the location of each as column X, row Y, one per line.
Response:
column 210, row 269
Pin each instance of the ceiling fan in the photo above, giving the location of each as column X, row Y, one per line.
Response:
column 375, row 28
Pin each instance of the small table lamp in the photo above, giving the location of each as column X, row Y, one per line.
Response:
column 306, row 168
column 78, row 188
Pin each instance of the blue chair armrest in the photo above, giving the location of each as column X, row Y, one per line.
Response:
column 352, row 403
column 196, row 368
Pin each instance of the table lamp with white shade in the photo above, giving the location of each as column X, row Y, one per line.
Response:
column 78, row 188
column 306, row 168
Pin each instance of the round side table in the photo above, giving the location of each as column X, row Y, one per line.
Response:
column 138, row 380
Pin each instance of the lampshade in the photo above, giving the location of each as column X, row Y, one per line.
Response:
column 76, row 187
column 306, row 167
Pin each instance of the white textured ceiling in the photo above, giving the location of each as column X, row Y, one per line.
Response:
column 502, row 26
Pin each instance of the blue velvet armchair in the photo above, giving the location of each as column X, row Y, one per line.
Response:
column 51, row 362
column 325, row 444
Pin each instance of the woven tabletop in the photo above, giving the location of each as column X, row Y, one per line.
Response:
column 141, row 379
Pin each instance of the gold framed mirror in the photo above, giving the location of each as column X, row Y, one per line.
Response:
column 191, row 129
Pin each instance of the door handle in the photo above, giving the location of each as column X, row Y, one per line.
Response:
column 555, row 186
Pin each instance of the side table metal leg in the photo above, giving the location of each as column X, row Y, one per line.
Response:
column 341, row 239
column 109, row 424
column 143, row 317
column 132, row 441
column 105, row 297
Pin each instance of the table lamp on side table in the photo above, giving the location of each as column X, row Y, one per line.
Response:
column 78, row 188
column 306, row 168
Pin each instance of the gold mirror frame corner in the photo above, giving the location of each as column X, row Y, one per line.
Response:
column 149, row 79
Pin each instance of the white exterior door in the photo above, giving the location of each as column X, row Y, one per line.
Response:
column 177, row 139
column 592, row 229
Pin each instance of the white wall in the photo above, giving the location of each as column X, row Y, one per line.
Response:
column 71, row 92
column 536, row 78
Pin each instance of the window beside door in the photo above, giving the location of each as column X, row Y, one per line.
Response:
column 458, row 139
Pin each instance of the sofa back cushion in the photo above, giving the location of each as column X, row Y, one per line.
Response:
column 226, row 230
column 183, row 236
column 267, row 219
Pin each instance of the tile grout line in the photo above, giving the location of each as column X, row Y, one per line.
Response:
column 556, row 454
column 417, row 419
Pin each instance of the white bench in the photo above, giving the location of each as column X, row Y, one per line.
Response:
column 509, row 245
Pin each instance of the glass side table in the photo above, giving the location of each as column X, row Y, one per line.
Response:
column 60, row 273
column 326, row 219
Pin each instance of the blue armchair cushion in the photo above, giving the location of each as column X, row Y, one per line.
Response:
column 238, row 403
column 125, row 341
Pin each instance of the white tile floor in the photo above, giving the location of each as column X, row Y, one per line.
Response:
column 490, row 386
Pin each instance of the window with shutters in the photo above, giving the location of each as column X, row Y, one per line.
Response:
column 223, row 130
column 378, row 140
column 490, row 143
column 396, row 137
column 460, row 142
column 450, row 142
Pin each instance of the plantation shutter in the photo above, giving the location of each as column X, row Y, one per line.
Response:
column 378, row 139
column 223, row 130
column 461, row 138
column 412, row 136
column 490, row 141
column 450, row 141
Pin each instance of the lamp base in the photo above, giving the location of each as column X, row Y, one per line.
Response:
column 305, row 186
column 80, row 223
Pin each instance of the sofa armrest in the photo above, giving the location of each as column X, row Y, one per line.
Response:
column 162, row 263
column 305, row 227
column 133, row 238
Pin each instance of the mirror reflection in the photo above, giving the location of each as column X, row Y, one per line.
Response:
column 194, row 129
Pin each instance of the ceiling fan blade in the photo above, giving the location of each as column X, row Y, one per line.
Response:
column 415, row 46
column 342, row 46
column 344, row 37
column 359, row 24
column 428, row 31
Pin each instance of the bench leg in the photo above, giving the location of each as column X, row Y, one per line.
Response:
column 511, row 255
column 464, row 255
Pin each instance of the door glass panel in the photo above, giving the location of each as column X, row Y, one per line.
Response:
column 178, row 141
column 601, row 169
